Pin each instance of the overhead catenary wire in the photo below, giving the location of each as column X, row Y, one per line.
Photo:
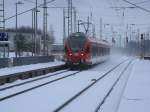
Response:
column 142, row 2
column 29, row 10
column 30, row 1
column 137, row 6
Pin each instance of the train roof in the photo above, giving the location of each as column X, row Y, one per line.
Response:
column 91, row 39
column 77, row 34
column 99, row 41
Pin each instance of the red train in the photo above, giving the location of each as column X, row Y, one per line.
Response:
column 82, row 50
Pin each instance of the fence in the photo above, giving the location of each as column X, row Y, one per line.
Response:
column 5, row 62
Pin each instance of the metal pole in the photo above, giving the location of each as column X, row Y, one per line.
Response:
column 78, row 25
column 3, row 16
column 64, row 25
column 44, row 38
column 16, row 18
column 4, row 27
column 75, row 19
column 47, row 42
column 88, row 25
column 68, row 16
column 94, row 36
column 36, row 28
column 101, row 28
column 32, row 31
column 16, row 30
column 45, row 47
column 71, row 13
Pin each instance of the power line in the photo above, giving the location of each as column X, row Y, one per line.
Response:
column 137, row 6
column 29, row 1
column 28, row 10
column 142, row 2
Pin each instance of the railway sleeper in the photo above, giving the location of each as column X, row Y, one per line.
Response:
column 12, row 78
column 39, row 72
column 3, row 81
column 25, row 75
column 30, row 74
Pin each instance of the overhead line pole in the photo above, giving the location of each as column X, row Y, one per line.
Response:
column 16, row 53
column 4, row 15
column 45, row 28
column 69, row 17
column 75, row 19
column 35, row 38
column 101, row 28
column 64, row 25
column 33, row 11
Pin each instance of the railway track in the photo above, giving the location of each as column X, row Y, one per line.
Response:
column 12, row 77
column 37, row 86
column 111, row 89
column 48, row 82
column 33, row 80
column 91, row 85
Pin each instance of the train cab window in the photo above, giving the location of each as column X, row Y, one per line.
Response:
column 77, row 41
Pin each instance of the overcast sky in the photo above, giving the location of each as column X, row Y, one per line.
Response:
column 99, row 8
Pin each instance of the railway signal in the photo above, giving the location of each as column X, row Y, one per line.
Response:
column 3, row 36
column 127, row 40
column 142, row 37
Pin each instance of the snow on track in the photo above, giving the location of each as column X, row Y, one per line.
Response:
column 30, row 85
column 113, row 101
column 88, row 101
column 13, row 70
column 137, row 94
column 49, row 97
column 30, row 79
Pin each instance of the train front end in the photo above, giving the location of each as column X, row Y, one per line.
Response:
column 76, row 49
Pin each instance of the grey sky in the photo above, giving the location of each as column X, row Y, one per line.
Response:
column 99, row 8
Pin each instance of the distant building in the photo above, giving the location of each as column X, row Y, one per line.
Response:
column 58, row 51
column 57, row 48
column 28, row 34
column 29, row 37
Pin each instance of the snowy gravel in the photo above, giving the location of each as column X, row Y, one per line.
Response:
column 12, row 70
column 49, row 97
column 88, row 101
column 137, row 94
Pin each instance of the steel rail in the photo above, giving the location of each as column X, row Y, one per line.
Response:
column 30, row 81
column 112, row 87
column 35, row 87
column 87, row 87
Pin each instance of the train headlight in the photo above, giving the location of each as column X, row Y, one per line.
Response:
column 70, row 54
column 82, row 54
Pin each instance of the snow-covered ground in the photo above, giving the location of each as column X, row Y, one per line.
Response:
column 49, row 97
column 12, row 70
column 136, row 97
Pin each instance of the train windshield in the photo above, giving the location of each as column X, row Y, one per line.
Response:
column 77, row 41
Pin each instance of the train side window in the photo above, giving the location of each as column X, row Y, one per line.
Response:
column 94, row 50
column 104, row 51
column 100, row 51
